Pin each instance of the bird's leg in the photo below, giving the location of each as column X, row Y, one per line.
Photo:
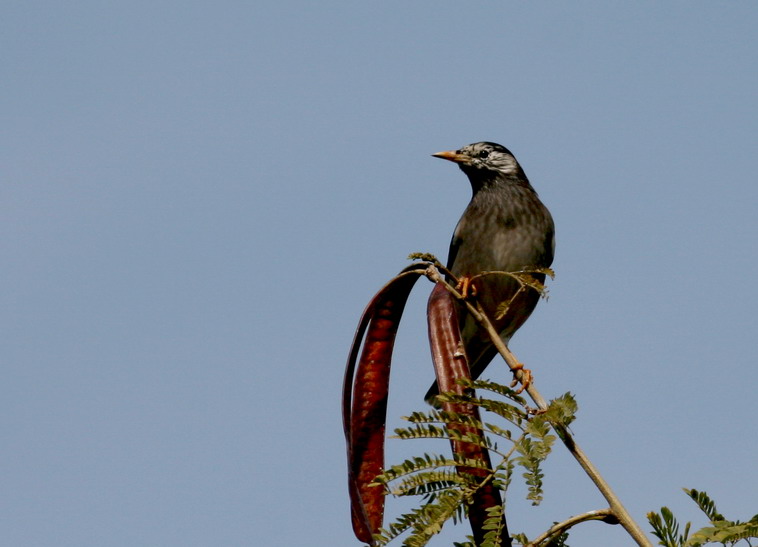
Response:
column 526, row 377
column 466, row 286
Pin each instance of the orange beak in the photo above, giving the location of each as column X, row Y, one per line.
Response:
column 452, row 155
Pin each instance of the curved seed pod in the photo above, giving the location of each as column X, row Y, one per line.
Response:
column 450, row 364
column 364, row 399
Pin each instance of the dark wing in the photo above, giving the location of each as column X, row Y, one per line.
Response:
column 455, row 243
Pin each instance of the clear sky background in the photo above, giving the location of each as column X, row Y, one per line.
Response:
column 199, row 198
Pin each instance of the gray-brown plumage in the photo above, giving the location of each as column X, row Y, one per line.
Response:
column 504, row 228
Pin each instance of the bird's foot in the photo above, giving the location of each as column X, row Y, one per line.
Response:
column 525, row 380
column 466, row 287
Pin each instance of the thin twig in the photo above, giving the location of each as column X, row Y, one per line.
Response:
column 624, row 518
column 605, row 515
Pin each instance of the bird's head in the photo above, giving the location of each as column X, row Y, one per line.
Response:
column 483, row 160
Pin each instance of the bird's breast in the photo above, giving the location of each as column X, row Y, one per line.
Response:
column 508, row 234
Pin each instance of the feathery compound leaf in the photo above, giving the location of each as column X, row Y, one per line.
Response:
column 504, row 475
column 666, row 528
column 446, row 417
column 431, row 431
column 538, row 427
column 511, row 413
column 531, row 456
column 421, row 432
column 499, row 431
column 414, row 465
column 494, row 387
column 494, row 527
column 723, row 532
column 425, row 521
column 562, row 410
column 520, row 538
column 547, row 271
column 526, row 277
column 428, row 482
column 426, row 257
column 402, row 524
column 706, row 504
column 558, row 541
column 431, row 417
column 503, row 307
column 541, row 439
column 425, row 463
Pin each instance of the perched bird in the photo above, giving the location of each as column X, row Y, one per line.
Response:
column 504, row 228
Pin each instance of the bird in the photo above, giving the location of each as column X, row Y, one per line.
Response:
column 505, row 227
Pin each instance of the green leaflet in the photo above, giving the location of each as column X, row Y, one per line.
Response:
column 721, row 531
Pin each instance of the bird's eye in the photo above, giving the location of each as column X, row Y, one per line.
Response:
column 484, row 153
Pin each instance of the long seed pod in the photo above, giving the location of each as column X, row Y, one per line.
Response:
column 450, row 364
column 364, row 400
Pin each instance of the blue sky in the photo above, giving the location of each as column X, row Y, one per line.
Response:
column 198, row 199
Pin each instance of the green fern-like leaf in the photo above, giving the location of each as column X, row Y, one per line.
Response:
column 517, row 416
column 538, row 427
column 428, row 482
column 547, row 271
column 402, row 524
column 562, row 410
column 494, row 387
column 558, row 540
column 493, row 526
column 666, row 528
column 421, row 432
column 724, row 532
column 504, row 475
column 443, row 417
column 520, row 538
column 721, row 530
column 502, row 308
column 427, row 461
column 414, row 465
column 499, row 431
column 431, row 517
column 431, row 417
column 705, row 503
column 470, row 437
column 531, row 454
column 425, row 257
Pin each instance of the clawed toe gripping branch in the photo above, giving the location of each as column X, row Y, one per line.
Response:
column 467, row 485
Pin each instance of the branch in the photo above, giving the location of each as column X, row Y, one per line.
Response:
column 604, row 515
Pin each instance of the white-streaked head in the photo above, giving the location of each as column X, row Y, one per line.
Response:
column 483, row 159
